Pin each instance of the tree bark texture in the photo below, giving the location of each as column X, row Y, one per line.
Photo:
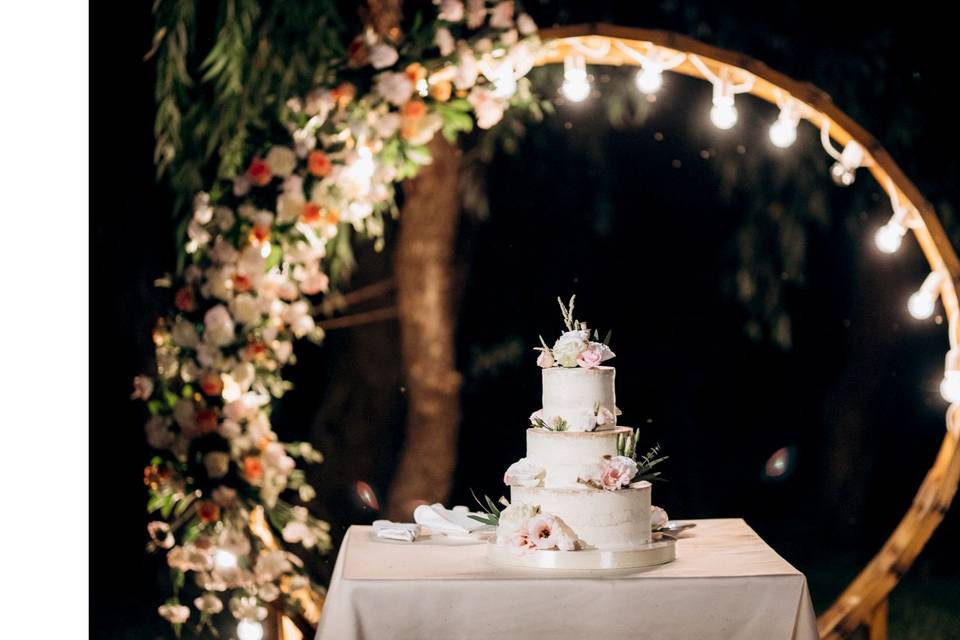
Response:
column 424, row 274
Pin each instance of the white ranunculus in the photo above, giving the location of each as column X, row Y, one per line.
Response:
column 245, row 309
column 444, row 41
column 184, row 334
column 524, row 473
column 515, row 518
column 208, row 603
column 174, row 613
column 382, row 55
column 218, row 326
column 281, row 160
column 467, row 70
column 525, row 24
column 487, row 107
column 271, row 565
column 580, row 421
column 229, row 429
column 283, row 350
column 450, row 10
column 568, row 346
column 217, row 463
column 297, row 315
column 268, row 592
column 395, row 88
column 289, row 207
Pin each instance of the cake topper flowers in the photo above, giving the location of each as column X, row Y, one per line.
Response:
column 575, row 347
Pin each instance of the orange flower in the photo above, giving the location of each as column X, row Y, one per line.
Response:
column 252, row 468
column 343, row 93
column 413, row 110
column 241, row 283
column 259, row 234
column 332, row 217
column 208, row 511
column 441, row 91
column 415, row 72
column 211, row 384
column 311, row 213
column 318, row 163
column 259, row 173
column 254, row 351
column 207, row 421
column 184, row 299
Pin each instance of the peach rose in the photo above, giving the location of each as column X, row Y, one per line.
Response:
column 319, row 164
column 259, row 173
column 545, row 360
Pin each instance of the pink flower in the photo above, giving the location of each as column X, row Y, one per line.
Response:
column 520, row 542
column 545, row 360
column 142, row 388
column 541, row 531
column 590, row 358
column 502, row 15
column 616, row 472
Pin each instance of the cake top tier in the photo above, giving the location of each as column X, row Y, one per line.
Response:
column 575, row 347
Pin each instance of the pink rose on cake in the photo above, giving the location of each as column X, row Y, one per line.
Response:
column 617, row 472
column 595, row 354
column 550, row 532
column 524, row 473
column 512, row 527
column 658, row 518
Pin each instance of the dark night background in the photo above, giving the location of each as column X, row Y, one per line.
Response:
column 648, row 221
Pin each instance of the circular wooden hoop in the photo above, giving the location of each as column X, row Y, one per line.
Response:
column 867, row 594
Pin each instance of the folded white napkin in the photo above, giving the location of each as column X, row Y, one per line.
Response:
column 451, row 522
column 405, row 531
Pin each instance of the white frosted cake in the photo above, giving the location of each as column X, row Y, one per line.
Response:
column 580, row 489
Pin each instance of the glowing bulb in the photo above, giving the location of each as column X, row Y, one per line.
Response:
column 223, row 559
column 950, row 386
column 844, row 170
column 783, row 132
column 576, row 85
column 723, row 114
column 649, row 79
column 265, row 250
column 889, row 237
column 921, row 305
column 249, row 630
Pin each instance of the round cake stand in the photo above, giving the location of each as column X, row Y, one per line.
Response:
column 659, row 552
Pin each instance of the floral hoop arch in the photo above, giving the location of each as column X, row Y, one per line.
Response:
column 263, row 245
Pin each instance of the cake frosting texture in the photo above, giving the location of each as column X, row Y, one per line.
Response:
column 577, row 394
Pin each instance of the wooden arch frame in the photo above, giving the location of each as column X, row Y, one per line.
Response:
column 864, row 601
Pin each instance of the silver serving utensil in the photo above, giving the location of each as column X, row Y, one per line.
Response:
column 673, row 528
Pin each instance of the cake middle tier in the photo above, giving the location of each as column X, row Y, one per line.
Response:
column 568, row 455
column 576, row 395
column 600, row 519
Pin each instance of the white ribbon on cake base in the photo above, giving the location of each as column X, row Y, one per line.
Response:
column 660, row 552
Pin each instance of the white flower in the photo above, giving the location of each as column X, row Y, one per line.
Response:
column 502, row 16
column 382, row 55
column 395, row 88
column 580, row 421
column 218, row 326
column 247, row 608
column 283, row 350
column 234, row 541
column 198, row 233
column 524, row 473
column 224, row 218
column 158, row 432
column 289, row 207
column 658, row 518
column 515, row 518
column 297, row 315
column 476, row 13
column 550, row 532
column 189, row 558
column 142, row 388
column 217, row 463
column 467, row 70
column 202, row 211
column 268, row 592
column 450, row 10
column 281, row 161
column 223, row 252
column 444, row 41
column 605, row 416
column 387, row 124
column 488, row 108
column 271, row 565
column 159, row 532
column 245, row 309
column 525, row 24
column 427, row 126
column 209, row 604
column 229, row 429
column 174, row 613
column 545, row 360
column 569, row 346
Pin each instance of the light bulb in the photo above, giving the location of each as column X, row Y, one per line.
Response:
column 783, row 132
column 842, row 175
column 649, row 79
column 889, row 237
column 576, row 84
column 921, row 305
column 223, row 559
column 950, row 386
column 249, row 630
column 844, row 170
column 723, row 114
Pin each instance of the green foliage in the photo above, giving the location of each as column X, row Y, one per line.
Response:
column 488, row 508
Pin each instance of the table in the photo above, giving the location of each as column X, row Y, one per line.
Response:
column 726, row 584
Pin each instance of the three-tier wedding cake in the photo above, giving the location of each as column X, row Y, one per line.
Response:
column 579, row 498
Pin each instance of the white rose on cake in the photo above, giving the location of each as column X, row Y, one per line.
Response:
column 569, row 346
column 658, row 518
column 524, row 473
column 514, row 519
column 550, row 532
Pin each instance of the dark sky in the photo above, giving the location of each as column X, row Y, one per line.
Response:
column 643, row 222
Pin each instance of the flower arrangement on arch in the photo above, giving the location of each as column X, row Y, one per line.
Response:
column 575, row 347
column 260, row 251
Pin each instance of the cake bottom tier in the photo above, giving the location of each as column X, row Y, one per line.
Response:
column 600, row 519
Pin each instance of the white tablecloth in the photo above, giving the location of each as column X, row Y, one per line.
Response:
column 726, row 584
